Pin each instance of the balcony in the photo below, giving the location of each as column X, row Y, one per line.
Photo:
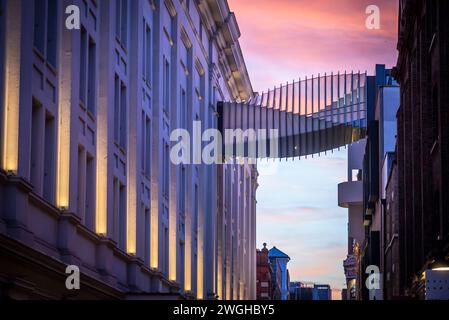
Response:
column 350, row 193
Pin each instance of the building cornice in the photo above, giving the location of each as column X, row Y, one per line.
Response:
column 227, row 34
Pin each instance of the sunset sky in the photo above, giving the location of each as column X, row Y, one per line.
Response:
column 283, row 40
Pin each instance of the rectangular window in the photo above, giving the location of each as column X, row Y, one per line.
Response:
column 183, row 109
column 122, row 217
column 36, row 134
column 120, row 113
column 89, row 210
column 81, row 176
column 49, row 158
column 83, row 64
column 146, row 57
column 121, row 17
column 166, row 90
column 182, row 262
column 116, row 108
column 115, row 206
column 52, row 18
column 143, row 144
column 123, row 118
column 91, row 81
column 147, row 147
column 182, row 191
column 42, row 152
column 147, row 230
column 166, row 166
column 45, row 31
column 195, row 209
column 39, row 25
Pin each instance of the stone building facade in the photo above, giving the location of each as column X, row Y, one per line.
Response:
column 85, row 175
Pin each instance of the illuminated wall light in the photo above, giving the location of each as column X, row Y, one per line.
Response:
column 63, row 156
column 10, row 158
column 101, row 205
column 172, row 225
column 200, row 256
column 63, row 138
column 131, row 216
column 188, row 253
column 154, row 237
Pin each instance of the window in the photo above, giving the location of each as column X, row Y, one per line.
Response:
column 166, row 173
column 356, row 175
column 195, row 209
column 49, row 156
column 122, row 217
column 121, row 31
column 146, row 54
column 42, row 159
column 182, row 191
column 83, row 64
column 147, row 230
column 89, row 210
column 35, row 145
column 45, row 31
column 183, row 109
column 166, row 90
column 81, row 175
column 91, row 80
column 182, row 262
column 147, row 147
column 120, row 113
column 86, row 187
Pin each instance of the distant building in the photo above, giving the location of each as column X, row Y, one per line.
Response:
column 307, row 291
column 301, row 291
column 279, row 260
column 364, row 194
column 350, row 196
column 264, row 286
column 322, row 292
column 344, row 294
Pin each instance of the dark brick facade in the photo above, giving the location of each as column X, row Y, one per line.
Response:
column 392, row 258
column 423, row 138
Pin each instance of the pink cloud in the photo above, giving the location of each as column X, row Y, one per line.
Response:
column 285, row 39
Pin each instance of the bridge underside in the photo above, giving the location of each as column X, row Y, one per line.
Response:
column 302, row 118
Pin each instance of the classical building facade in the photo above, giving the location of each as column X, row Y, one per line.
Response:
column 423, row 140
column 85, row 175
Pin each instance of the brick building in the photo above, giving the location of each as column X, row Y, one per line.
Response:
column 263, row 283
column 391, row 234
column 423, row 139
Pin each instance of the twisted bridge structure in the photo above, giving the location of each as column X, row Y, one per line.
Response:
column 301, row 118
